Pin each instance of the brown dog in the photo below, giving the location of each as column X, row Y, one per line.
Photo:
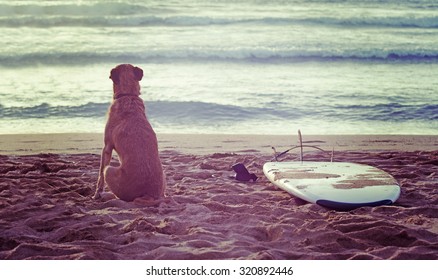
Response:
column 128, row 132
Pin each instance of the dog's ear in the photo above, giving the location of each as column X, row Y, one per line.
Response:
column 115, row 75
column 138, row 73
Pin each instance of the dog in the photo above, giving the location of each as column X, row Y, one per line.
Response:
column 128, row 132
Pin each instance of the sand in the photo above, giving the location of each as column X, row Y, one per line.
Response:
column 46, row 210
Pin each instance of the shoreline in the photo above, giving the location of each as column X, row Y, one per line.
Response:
column 201, row 144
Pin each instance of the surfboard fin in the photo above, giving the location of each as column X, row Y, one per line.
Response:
column 242, row 174
column 301, row 146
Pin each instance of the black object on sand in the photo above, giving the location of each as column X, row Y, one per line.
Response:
column 242, row 174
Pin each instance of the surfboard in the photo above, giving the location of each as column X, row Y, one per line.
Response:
column 336, row 185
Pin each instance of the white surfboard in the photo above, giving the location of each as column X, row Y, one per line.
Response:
column 335, row 185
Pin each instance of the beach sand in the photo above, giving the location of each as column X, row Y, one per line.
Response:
column 46, row 210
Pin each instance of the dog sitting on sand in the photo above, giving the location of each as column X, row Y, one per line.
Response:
column 129, row 133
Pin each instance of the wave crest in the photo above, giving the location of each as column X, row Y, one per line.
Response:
column 102, row 14
column 220, row 55
column 202, row 113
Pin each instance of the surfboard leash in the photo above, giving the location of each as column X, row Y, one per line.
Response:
column 301, row 146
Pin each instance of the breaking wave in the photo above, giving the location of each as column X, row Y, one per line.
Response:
column 131, row 15
column 202, row 113
column 220, row 55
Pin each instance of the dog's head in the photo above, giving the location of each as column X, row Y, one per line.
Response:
column 126, row 79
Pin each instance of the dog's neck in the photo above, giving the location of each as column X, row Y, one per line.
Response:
column 120, row 95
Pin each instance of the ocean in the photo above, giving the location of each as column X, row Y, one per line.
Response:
column 240, row 67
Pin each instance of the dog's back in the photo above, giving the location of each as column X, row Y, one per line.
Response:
column 129, row 133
